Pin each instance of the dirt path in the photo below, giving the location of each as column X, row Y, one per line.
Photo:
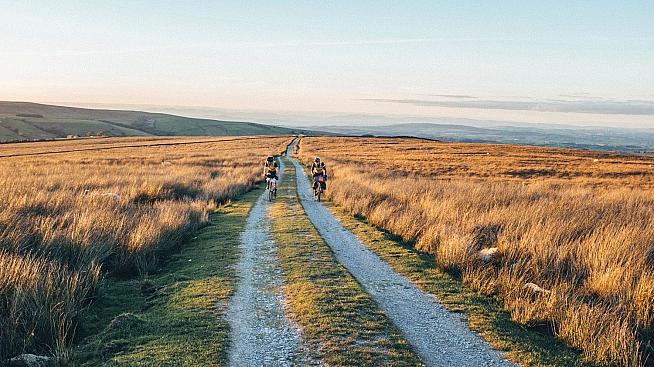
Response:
column 439, row 337
column 261, row 335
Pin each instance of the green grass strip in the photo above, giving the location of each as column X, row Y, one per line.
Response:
column 341, row 323
column 484, row 314
column 173, row 317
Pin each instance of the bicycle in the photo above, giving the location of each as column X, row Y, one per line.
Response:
column 272, row 188
column 318, row 187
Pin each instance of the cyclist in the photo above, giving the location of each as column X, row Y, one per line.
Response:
column 270, row 170
column 319, row 169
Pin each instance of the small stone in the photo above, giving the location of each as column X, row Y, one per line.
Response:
column 31, row 360
column 487, row 254
column 536, row 288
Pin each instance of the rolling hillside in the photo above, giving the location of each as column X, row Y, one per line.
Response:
column 20, row 121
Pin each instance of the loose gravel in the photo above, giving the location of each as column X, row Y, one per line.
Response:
column 261, row 335
column 438, row 336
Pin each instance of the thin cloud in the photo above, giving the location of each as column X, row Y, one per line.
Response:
column 288, row 43
column 579, row 106
column 279, row 44
column 456, row 96
column 231, row 45
column 320, row 43
column 581, row 96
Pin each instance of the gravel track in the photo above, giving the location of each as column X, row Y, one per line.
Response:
column 438, row 336
column 261, row 335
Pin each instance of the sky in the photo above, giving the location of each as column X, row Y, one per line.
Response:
column 575, row 62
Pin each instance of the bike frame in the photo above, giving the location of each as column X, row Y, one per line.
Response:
column 319, row 181
column 272, row 184
column 272, row 188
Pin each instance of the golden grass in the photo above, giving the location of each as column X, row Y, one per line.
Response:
column 576, row 223
column 114, row 206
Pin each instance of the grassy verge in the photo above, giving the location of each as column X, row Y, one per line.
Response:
column 484, row 314
column 336, row 315
column 174, row 316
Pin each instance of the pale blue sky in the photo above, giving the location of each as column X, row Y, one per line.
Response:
column 382, row 57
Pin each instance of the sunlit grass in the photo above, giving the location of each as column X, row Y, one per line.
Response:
column 575, row 223
column 68, row 218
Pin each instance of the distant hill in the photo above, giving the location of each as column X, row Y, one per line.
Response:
column 596, row 138
column 21, row 121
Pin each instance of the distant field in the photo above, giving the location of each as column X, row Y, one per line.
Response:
column 21, row 121
column 577, row 225
column 578, row 137
column 23, row 149
column 74, row 211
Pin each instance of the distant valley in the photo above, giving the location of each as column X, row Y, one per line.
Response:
column 596, row 138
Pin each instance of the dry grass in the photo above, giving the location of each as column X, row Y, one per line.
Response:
column 67, row 218
column 577, row 224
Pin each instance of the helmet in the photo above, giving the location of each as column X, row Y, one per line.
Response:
column 270, row 159
column 317, row 159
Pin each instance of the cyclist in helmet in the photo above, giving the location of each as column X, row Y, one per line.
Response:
column 270, row 170
column 318, row 169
